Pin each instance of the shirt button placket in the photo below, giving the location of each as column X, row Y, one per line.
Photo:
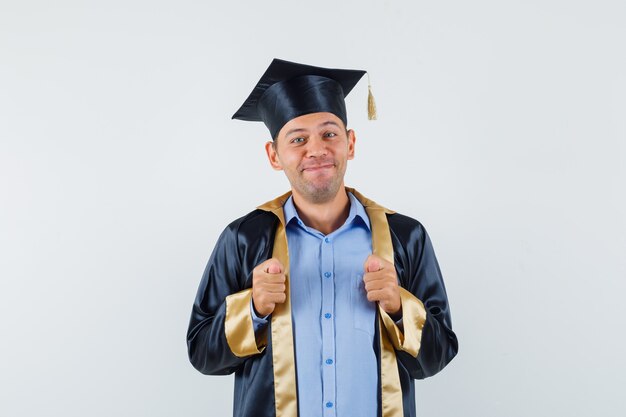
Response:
column 328, row 329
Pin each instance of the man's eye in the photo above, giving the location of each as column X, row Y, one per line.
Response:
column 297, row 140
column 330, row 134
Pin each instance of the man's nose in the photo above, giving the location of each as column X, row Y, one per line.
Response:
column 316, row 147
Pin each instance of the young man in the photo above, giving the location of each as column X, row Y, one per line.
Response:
column 322, row 302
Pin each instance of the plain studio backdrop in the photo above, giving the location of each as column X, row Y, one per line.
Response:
column 501, row 128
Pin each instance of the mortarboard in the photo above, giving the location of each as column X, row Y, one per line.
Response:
column 288, row 90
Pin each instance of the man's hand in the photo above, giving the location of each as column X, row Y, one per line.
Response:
column 268, row 286
column 381, row 284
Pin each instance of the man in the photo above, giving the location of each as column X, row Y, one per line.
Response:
column 321, row 301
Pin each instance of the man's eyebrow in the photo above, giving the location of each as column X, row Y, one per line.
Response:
column 329, row 122
column 298, row 129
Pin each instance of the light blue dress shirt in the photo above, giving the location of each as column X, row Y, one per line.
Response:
column 333, row 322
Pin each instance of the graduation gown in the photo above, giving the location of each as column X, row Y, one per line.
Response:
column 221, row 338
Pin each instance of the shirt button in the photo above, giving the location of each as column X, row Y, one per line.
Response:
column 329, row 404
column 327, row 240
column 327, row 274
column 329, row 361
column 328, row 315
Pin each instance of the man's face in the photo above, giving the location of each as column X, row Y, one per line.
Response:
column 313, row 150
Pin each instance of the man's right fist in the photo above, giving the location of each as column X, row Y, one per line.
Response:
column 268, row 286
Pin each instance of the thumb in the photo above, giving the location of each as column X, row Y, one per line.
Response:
column 273, row 267
column 373, row 264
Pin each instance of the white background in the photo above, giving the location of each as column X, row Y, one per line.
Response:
column 502, row 128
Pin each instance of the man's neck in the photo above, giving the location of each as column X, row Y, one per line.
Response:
column 325, row 217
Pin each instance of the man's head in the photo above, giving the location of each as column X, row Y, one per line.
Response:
column 304, row 109
column 313, row 151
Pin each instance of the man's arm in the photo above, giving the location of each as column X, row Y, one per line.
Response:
column 426, row 317
column 221, row 335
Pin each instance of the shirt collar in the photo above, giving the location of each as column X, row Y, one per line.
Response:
column 356, row 211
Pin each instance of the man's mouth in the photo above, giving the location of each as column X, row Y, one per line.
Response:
column 313, row 168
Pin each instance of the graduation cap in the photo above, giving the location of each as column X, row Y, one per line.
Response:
column 288, row 90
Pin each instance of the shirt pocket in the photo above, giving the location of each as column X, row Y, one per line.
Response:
column 363, row 311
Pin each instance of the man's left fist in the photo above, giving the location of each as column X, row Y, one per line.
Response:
column 381, row 285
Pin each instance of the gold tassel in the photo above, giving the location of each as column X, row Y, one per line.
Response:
column 371, row 104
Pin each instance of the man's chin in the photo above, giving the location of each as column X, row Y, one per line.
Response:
column 319, row 195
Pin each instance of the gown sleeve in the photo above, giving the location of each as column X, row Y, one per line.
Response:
column 221, row 334
column 427, row 322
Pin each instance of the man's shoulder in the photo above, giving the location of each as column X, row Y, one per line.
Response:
column 400, row 224
column 254, row 220
column 405, row 227
column 402, row 220
column 255, row 229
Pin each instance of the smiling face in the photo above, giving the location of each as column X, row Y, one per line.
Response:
column 313, row 150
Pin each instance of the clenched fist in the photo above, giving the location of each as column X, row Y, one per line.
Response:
column 268, row 286
column 381, row 284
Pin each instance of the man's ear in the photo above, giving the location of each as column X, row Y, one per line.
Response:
column 351, row 142
column 272, row 156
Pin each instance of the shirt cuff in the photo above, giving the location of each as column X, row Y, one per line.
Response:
column 257, row 322
column 400, row 324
